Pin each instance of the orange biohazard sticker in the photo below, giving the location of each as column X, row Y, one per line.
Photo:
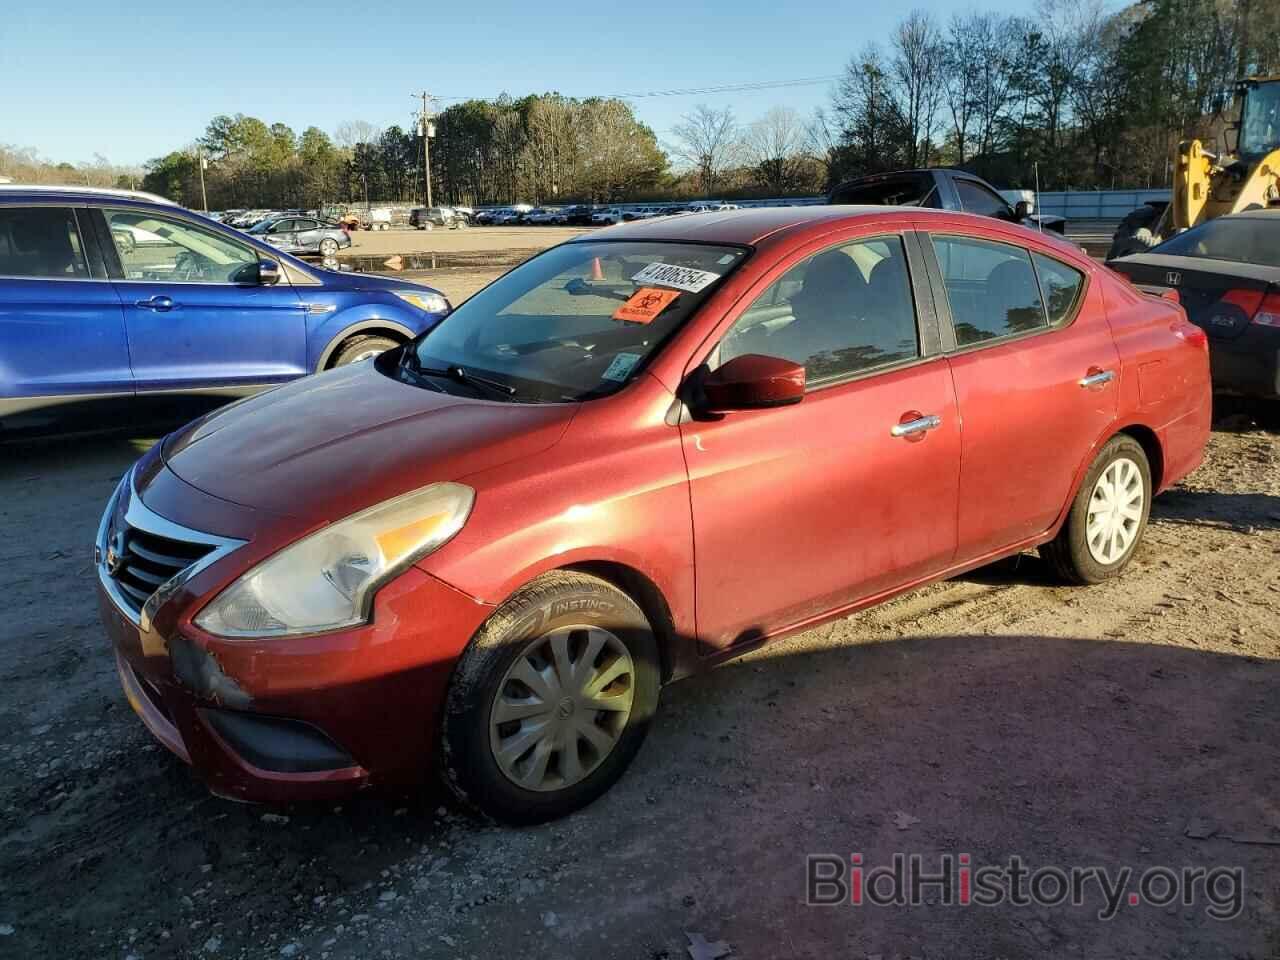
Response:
column 645, row 304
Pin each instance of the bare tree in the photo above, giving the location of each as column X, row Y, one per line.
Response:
column 709, row 140
column 351, row 132
column 917, row 69
column 775, row 146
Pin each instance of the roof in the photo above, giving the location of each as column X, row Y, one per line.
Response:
column 71, row 191
column 754, row 225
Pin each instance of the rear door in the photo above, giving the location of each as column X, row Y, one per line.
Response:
column 307, row 235
column 1036, row 375
column 195, row 316
column 62, row 332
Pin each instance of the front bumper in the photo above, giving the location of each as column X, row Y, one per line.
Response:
column 1249, row 365
column 297, row 718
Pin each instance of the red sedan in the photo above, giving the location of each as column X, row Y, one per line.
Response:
column 637, row 455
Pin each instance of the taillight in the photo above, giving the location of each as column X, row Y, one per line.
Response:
column 1247, row 300
column 1268, row 314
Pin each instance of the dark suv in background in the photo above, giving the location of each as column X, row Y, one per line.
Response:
column 119, row 296
column 940, row 189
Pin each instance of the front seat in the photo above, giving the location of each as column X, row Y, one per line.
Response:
column 831, row 300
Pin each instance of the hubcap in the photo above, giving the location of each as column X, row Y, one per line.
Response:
column 364, row 355
column 561, row 707
column 1115, row 511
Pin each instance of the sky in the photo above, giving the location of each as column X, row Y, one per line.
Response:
column 134, row 81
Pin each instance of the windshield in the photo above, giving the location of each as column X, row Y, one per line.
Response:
column 577, row 322
column 1260, row 122
column 1243, row 239
column 263, row 227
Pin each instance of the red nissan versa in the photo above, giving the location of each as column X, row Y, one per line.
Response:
column 638, row 454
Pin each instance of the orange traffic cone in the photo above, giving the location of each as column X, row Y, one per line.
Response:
column 597, row 273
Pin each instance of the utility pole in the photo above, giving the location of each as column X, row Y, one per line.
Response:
column 427, row 129
column 202, row 163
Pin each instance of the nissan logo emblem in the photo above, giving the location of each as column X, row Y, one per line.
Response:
column 114, row 560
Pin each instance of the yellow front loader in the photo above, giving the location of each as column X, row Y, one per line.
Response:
column 1206, row 185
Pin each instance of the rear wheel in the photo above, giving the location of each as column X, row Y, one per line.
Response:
column 328, row 246
column 1108, row 516
column 551, row 700
column 362, row 348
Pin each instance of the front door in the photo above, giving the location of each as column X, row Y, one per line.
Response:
column 800, row 510
column 195, row 315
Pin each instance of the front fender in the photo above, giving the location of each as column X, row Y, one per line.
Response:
column 325, row 331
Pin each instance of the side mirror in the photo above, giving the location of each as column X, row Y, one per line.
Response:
column 268, row 273
column 1022, row 210
column 751, row 382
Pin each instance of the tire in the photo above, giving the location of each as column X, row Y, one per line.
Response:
column 328, row 247
column 1074, row 558
column 579, row 613
column 362, row 348
column 1267, row 414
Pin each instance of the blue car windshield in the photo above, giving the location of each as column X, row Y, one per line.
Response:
column 577, row 322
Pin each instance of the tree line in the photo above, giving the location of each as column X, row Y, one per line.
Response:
column 1073, row 97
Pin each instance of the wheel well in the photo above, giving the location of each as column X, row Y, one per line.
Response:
column 389, row 332
column 1150, row 444
column 647, row 595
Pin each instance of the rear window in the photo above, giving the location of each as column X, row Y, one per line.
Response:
column 991, row 287
column 916, row 191
column 40, row 242
column 1242, row 239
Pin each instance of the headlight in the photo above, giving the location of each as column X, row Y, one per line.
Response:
column 327, row 580
column 427, row 302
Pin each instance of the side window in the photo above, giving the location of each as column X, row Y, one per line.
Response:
column 283, row 226
column 1061, row 285
column 307, row 225
column 839, row 312
column 153, row 247
column 975, row 198
column 991, row 288
column 40, row 242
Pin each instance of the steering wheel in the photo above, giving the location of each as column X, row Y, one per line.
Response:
column 188, row 266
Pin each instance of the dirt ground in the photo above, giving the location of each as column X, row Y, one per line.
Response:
column 1130, row 725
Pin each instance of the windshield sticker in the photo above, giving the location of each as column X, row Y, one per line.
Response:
column 645, row 305
column 673, row 275
column 621, row 367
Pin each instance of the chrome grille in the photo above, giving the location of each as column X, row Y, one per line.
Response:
column 140, row 562
column 143, row 560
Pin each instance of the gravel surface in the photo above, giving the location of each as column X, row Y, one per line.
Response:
column 1129, row 725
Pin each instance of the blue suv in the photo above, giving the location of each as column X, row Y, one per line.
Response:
column 119, row 295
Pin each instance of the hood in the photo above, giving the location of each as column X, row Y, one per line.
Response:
column 328, row 445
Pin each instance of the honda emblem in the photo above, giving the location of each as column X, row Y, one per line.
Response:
column 1173, row 278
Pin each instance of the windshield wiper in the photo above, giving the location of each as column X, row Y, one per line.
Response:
column 458, row 374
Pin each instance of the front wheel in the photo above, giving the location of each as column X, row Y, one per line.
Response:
column 362, row 348
column 1108, row 516
column 551, row 700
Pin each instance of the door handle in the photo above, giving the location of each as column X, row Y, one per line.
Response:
column 156, row 303
column 1096, row 378
column 912, row 428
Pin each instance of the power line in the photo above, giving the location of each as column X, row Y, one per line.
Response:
column 699, row 91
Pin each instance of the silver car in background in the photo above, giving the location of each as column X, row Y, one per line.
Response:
column 302, row 235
